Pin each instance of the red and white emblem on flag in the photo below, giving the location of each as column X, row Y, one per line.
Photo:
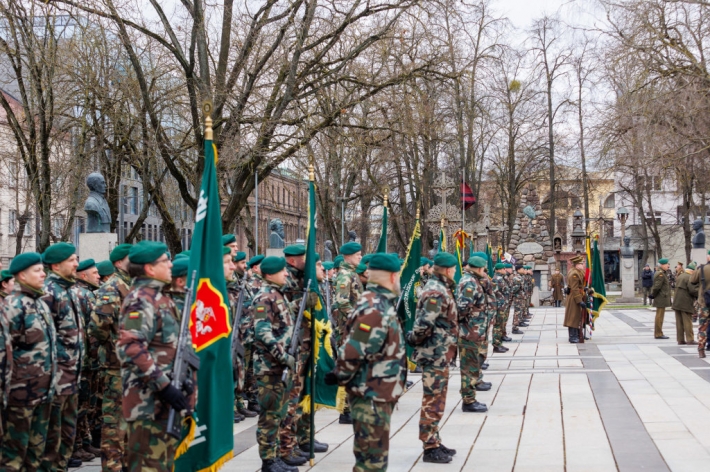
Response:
column 209, row 316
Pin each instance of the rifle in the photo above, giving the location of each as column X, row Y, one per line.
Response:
column 328, row 303
column 237, row 347
column 186, row 361
column 296, row 328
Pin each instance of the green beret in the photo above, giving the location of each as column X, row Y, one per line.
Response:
column 184, row 253
column 338, row 259
column 366, row 258
column 317, row 257
column 508, row 265
column 480, row 254
column 255, row 261
column 425, row 261
column 361, row 268
column 519, row 266
column 272, row 264
column 228, row 239
column 146, row 252
column 240, row 256
column 477, row 262
column 120, row 252
column 24, row 261
column 57, row 253
column 663, row 261
column 692, row 266
column 445, row 260
column 105, row 268
column 295, row 250
column 5, row 275
column 86, row 264
column 181, row 256
column 499, row 266
column 225, row 250
column 384, row 262
column 328, row 265
column 350, row 248
column 180, row 266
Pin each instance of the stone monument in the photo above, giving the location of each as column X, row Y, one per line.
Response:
column 277, row 236
column 328, row 251
column 628, row 294
column 435, row 251
column 698, row 252
column 97, row 242
column 530, row 240
column 352, row 236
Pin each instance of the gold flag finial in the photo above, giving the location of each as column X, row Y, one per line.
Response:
column 311, row 173
column 386, row 197
column 207, row 110
column 417, row 217
column 442, row 222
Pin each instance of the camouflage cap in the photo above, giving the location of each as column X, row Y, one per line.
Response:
column 105, row 268
column 295, row 250
column 255, row 261
column 58, row 252
column 228, row 239
column 240, row 256
column 179, row 268
column 386, row 262
column 146, row 252
column 477, row 262
column 445, row 260
column 120, row 252
column 5, row 275
column 361, row 268
column 272, row 264
column 85, row 264
column 24, row 261
column 350, row 248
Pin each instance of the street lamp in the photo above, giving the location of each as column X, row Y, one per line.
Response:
column 578, row 233
column 623, row 215
column 474, row 238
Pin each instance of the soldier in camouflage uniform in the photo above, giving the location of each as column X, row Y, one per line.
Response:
column 529, row 285
column 104, row 327
column 87, row 280
column 254, row 283
column 245, row 405
column 348, row 289
column 371, row 365
column 234, row 287
column 473, row 305
column 64, row 305
column 434, row 337
column 6, row 285
column 106, row 270
column 517, row 293
column 148, row 339
column 273, row 329
column 33, row 369
column 502, row 293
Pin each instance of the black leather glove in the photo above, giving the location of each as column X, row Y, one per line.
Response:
column 409, row 337
column 189, row 386
column 173, row 397
column 582, row 305
column 330, row 378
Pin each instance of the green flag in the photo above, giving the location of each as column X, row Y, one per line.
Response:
column 459, row 268
column 442, row 239
column 597, row 283
column 382, row 245
column 321, row 330
column 489, row 253
column 409, row 279
column 210, row 326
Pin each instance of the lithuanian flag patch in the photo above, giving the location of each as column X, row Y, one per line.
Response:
column 134, row 315
column 259, row 309
column 365, row 328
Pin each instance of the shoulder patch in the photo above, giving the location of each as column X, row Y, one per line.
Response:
column 134, row 320
column 468, row 291
column 260, row 312
column 362, row 334
column 432, row 304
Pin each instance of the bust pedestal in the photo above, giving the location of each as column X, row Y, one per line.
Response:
column 628, row 293
column 96, row 246
column 699, row 255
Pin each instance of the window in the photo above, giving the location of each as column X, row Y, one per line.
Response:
column 12, row 222
column 652, row 182
column 57, row 226
column 609, row 228
column 610, row 201
column 654, row 216
column 14, row 171
column 134, row 201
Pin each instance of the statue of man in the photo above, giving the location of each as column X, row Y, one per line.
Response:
column 434, row 251
column 276, row 238
column 626, row 250
column 352, row 236
column 328, row 251
column 98, row 214
column 699, row 238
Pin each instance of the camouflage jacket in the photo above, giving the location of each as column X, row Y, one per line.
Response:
column 273, row 329
column 254, row 282
column 501, row 290
column 148, row 338
column 178, row 298
column 69, row 327
column 371, row 362
column 517, row 287
column 348, row 290
column 472, row 304
column 489, row 290
column 5, row 355
column 34, row 347
column 87, row 300
column 105, row 320
column 436, row 323
column 293, row 290
column 246, row 322
column 529, row 285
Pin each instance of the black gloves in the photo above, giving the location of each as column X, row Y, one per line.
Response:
column 330, row 378
column 582, row 305
column 173, row 397
column 409, row 337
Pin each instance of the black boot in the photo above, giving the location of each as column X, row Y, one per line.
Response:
column 436, row 456
column 475, row 407
column 345, row 419
column 447, row 451
column 573, row 335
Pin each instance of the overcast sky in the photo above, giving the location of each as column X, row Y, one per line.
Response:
column 522, row 12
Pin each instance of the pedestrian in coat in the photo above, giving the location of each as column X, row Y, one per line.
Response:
column 685, row 295
column 557, row 284
column 701, row 277
column 575, row 306
column 661, row 295
column 646, row 282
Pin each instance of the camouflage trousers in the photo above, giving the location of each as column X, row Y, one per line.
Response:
column 273, row 404
column 470, row 371
column 87, row 406
column 60, row 432
column 703, row 321
column 435, row 383
column 113, row 430
column 371, row 427
column 246, row 388
column 295, row 425
column 518, row 304
column 485, row 333
column 150, row 447
column 499, row 330
column 25, row 437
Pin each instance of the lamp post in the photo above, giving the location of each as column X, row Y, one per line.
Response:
column 474, row 238
column 578, row 233
column 622, row 214
column 627, row 271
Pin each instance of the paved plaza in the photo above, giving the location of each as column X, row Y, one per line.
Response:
column 622, row 401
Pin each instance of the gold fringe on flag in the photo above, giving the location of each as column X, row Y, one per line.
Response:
column 325, row 330
column 182, row 448
column 220, row 462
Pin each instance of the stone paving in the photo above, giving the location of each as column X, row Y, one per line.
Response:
column 621, row 401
